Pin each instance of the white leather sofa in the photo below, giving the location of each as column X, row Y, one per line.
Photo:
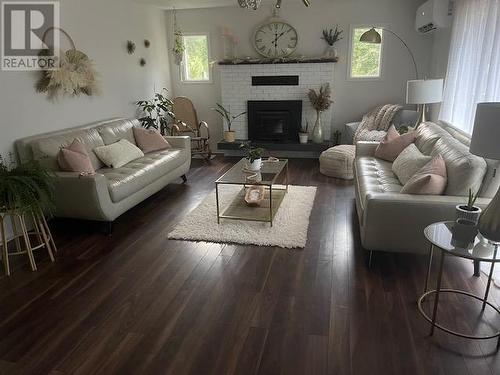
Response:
column 391, row 221
column 111, row 191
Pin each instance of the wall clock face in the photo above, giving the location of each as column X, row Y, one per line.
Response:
column 275, row 39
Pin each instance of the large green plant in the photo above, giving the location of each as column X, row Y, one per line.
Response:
column 158, row 112
column 25, row 185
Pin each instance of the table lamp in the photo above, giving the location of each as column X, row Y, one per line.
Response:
column 485, row 143
column 423, row 92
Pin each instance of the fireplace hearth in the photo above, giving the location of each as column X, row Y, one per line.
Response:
column 274, row 120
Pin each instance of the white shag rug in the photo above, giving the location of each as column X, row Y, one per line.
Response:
column 289, row 228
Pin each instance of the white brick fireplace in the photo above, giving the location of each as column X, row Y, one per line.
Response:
column 237, row 89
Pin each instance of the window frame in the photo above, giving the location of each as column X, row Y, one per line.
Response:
column 381, row 76
column 182, row 66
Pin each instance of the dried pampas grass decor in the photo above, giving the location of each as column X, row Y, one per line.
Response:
column 75, row 76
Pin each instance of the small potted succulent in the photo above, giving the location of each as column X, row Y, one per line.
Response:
column 469, row 211
column 331, row 37
column 254, row 156
column 229, row 135
column 304, row 133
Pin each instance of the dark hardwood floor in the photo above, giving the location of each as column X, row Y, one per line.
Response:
column 137, row 303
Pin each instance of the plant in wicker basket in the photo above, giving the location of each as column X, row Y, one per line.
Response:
column 25, row 185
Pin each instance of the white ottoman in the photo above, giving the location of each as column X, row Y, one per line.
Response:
column 338, row 162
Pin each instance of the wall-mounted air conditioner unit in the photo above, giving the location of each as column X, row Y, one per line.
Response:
column 434, row 14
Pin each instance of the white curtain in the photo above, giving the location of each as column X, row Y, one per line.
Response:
column 473, row 74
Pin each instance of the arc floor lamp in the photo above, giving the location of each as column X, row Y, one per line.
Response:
column 418, row 91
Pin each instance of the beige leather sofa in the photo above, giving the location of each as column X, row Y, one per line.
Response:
column 110, row 192
column 391, row 221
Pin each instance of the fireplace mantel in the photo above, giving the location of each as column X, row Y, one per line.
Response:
column 237, row 89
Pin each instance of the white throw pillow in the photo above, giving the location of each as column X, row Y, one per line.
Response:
column 409, row 162
column 118, row 154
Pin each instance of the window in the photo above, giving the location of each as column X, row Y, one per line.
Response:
column 195, row 67
column 366, row 58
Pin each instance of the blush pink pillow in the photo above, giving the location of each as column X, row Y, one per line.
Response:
column 75, row 158
column 431, row 179
column 150, row 140
column 393, row 144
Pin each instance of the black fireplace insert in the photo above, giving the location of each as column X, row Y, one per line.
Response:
column 274, row 120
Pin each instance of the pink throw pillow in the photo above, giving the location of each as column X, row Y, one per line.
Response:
column 75, row 158
column 393, row 144
column 150, row 140
column 431, row 179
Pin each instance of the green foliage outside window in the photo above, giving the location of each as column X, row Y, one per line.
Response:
column 365, row 57
column 196, row 58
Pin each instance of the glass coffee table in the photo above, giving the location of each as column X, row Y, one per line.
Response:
column 441, row 237
column 269, row 175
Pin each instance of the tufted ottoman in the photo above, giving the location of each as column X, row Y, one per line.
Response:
column 338, row 162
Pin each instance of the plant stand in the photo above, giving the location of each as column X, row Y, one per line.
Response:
column 25, row 241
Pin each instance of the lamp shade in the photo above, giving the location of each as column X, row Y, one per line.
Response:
column 424, row 91
column 486, row 133
column 371, row 36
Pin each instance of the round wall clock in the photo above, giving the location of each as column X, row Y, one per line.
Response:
column 275, row 39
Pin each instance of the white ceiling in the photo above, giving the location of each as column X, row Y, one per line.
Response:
column 189, row 4
column 194, row 4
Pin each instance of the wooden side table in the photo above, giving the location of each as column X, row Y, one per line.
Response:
column 25, row 242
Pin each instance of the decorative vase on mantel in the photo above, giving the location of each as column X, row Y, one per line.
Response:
column 331, row 52
column 317, row 134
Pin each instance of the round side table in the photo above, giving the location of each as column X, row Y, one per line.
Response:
column 440, row 236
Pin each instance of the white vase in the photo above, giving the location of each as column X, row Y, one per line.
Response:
column 331, row 52
column 317, row 136
column 255, row 165
column 303, row 138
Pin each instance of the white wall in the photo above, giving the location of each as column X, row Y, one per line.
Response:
column 439, row 61
column 352, row 99
column 100, row 28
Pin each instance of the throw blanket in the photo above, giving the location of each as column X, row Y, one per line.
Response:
column 375, row 124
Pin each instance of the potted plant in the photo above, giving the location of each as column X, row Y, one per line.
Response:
column 469, row 211
column 229, row 135
column 27, row 185
column 254, row 156
column 320, row 101
column 157, row 112
column 331, row 37
column 304, row 133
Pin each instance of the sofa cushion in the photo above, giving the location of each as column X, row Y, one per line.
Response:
column 427, row 134
column 465, row 171
column 393, row 143
column 75, row 158
column 429, row 180
column 134, row 176
column 113, row 131
column 149, row 140
column 375, row 176
column 45, row 150
column 118, row 154
column 409, row 161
